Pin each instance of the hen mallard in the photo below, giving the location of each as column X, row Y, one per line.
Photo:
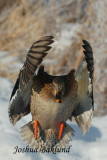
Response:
column 52, row 100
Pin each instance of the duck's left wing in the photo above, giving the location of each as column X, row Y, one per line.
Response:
column 85, row 101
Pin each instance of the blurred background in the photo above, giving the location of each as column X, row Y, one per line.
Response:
column 70, row 21
column 23, row 22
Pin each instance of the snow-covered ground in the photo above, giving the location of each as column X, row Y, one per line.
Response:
column 92, row 146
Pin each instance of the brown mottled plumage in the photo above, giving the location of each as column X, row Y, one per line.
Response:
column 52, row 100
column 45, row 101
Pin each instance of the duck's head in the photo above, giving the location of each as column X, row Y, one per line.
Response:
column 58, row 89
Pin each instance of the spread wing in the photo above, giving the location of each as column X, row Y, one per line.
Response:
column 20, row 98
column 84, row 77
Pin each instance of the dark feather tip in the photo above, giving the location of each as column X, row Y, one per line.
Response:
column 87, row 46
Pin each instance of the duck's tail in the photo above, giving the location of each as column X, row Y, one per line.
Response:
column 46, row 139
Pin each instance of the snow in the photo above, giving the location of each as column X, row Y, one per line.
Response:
column 3, row 54
column 8, row 60
column 92, row 146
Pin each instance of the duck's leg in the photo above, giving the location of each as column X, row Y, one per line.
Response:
column 61, row 130
column 36, row 128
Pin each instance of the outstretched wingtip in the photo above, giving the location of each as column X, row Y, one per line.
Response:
column 86, row 45
column 50, row 37
column 85, row 42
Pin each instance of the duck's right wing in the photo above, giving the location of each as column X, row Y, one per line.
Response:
column 20, row 98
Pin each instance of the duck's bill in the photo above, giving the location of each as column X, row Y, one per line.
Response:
column 59, row 97
column 59, row 100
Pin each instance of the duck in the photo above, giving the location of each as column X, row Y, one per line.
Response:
column 52, row 100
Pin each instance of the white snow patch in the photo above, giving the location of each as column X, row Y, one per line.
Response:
column 3, row 54
column 10, row 59
column 92, row 146
column 15, row 67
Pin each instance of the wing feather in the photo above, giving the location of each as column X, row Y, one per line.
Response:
column 84, row 77
column 20, row 98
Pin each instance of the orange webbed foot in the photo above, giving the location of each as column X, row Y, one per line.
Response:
column 36, row 128
column 61, row 130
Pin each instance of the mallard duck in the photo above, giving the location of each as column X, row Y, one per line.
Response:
column 52, row 100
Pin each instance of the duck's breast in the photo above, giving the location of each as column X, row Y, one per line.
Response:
column 48, row 112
